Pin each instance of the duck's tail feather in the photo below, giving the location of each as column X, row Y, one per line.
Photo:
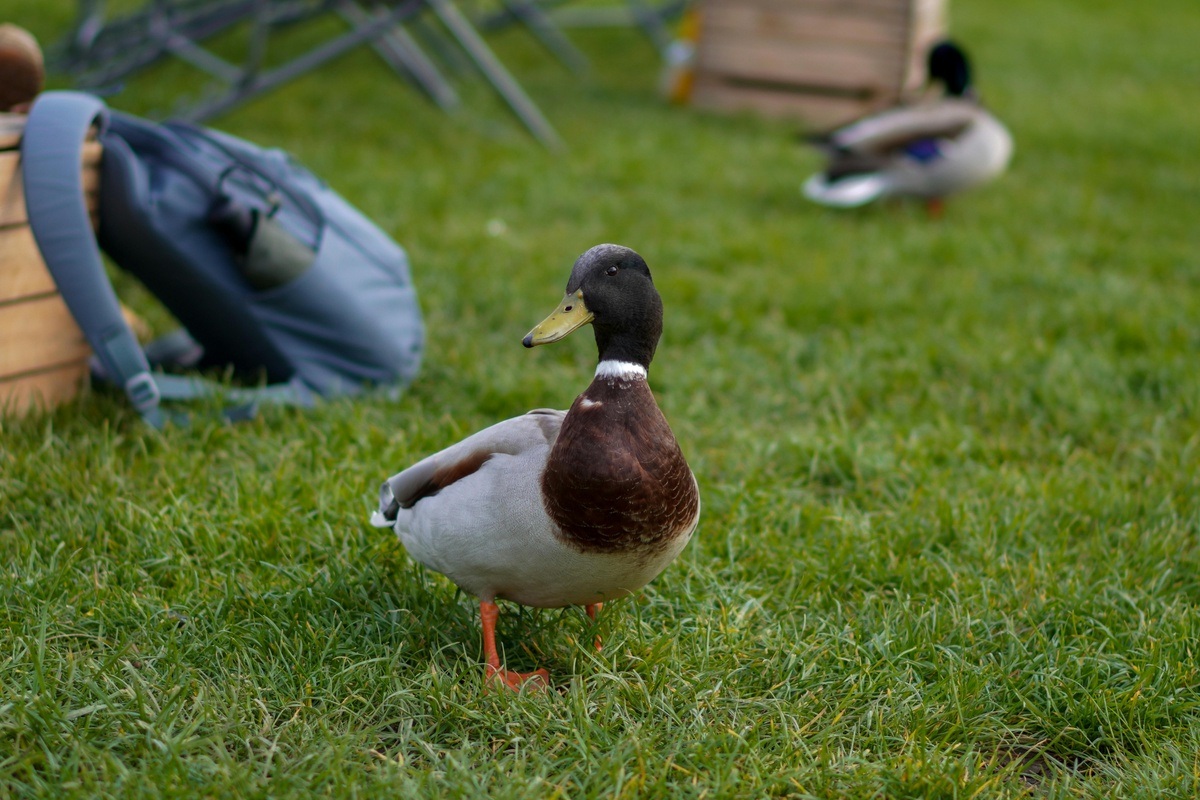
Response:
column 849, row 191
column 389, row 507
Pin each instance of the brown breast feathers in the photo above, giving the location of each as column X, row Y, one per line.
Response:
column 616, row 479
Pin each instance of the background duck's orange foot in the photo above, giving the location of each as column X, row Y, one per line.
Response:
column 591, row 610
column 537, row 681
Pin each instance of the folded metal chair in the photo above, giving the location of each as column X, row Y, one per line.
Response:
column 100, row 52
column 650, row 17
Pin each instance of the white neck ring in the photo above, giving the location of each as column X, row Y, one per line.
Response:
column 623, row 370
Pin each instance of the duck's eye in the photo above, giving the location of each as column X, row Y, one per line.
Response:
column 610, row 271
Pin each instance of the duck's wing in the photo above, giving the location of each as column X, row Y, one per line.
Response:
column 538, row 428
column 894, row 130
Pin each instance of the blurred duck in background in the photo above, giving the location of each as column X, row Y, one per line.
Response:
column 930, row 150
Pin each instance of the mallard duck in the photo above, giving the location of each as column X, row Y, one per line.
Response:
column 556, row 508
column 928, row 150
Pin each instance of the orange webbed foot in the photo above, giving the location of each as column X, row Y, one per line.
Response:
column 494, row 673
column 591, row 610
column 536, row 681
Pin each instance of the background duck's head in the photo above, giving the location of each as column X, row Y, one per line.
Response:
column 949, row 64
column 610, row 287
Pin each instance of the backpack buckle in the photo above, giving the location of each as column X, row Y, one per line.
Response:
column 142, row 392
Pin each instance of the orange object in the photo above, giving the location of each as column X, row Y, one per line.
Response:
column 538, row 680
column 591, row 612
column 679, row 74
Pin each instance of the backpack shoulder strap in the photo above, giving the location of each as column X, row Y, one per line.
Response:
column 51, row 154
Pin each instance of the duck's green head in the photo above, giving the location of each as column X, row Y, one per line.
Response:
column 610, row 287
column 948, row 63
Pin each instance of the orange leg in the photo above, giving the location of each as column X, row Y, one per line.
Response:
column 591, row 610
column 489, row 612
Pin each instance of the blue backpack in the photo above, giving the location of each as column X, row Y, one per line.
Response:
column 269, row 270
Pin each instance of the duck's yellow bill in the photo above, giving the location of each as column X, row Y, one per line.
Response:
column 572, row 313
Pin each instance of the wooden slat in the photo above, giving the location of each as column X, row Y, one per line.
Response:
column 37, row 334
column 820, row 112
column 12, row 198
column 22, row 273
column 41, row 390
column 750, row 58
column 11, row 126
column 876, row 7
column 930, row 12
column 805, row 24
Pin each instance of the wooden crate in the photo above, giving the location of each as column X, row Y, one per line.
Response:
column 43, row 354
column 822, row 62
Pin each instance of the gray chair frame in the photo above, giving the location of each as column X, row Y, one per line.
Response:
column 101, row 52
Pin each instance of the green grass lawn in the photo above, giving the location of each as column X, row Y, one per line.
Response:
column 950, row 544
